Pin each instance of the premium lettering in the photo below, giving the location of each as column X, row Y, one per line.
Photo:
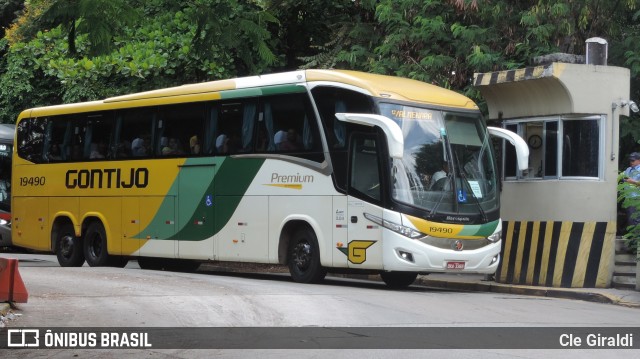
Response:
column 107, row 178
column 297, row 178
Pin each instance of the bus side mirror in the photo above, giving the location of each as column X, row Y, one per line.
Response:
column 395, row 140
column 522, row 150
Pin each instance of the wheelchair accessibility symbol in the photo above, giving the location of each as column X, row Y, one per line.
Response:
column 462, row 196
column 208, row 200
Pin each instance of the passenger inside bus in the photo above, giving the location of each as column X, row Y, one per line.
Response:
column 194, row 145
column 290, row 142
column 98, row 150
column 138, row 147
column 55, row 154
column 439, row 179
column 228, row 144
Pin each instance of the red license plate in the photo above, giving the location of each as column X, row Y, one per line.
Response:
column 455, row 265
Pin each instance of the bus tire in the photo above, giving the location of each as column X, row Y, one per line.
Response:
column 397, row 280
column 69, row 247
column 95, row 245
column 304, row 257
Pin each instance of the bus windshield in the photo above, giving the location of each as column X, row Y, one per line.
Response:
column 448, row 166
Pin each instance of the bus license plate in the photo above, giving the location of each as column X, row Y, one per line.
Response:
column 455, row 265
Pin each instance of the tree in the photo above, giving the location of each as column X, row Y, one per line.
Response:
column 98, row 19
column 239, row 27
column 180, row 42
column 8, row 13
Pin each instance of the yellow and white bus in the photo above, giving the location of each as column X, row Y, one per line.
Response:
column 322, row 170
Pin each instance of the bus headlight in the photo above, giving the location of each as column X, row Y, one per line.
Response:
column 495, row 237
column 398, row 228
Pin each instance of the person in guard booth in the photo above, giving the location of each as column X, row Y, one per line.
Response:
column 632, row 177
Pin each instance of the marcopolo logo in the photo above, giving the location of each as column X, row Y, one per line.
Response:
column 107, row 178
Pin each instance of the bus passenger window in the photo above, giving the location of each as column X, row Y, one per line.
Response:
column 290, row 122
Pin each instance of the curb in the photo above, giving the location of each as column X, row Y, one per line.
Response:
column 532, row 291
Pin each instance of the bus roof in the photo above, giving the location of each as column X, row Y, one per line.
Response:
column 382, row 86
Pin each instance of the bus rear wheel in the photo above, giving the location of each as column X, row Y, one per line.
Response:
column 304, row 258
column 95, row 245
column 398, row 280
column 69, row 247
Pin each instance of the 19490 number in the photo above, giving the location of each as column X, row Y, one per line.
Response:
column 441, row 230
column 32, row 181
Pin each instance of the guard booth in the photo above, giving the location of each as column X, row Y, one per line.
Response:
column 559, row 215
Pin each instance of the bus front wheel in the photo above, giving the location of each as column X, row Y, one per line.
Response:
column 304, row 258
column 69, row 248
column 95, row 245
column 398, row 279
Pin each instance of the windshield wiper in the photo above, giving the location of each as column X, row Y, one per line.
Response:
column 471, row 193
column 443, row 192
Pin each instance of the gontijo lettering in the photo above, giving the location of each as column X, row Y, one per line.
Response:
column 107, row 178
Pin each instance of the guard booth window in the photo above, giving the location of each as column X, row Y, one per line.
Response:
column 566, row 147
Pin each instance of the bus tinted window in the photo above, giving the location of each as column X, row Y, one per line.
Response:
column 235, row 126
column 135, row 132
column 332, row 100
column 180, row 129
column 290, row 124
column 31, row 139
column 99, row 128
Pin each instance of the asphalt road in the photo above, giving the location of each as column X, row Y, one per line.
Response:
column 131, row 297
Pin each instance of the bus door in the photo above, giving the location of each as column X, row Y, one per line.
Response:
column 196, row 221
column 364, row 249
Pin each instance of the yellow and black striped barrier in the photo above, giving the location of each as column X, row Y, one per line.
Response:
column 557, row 254
column 499, row 77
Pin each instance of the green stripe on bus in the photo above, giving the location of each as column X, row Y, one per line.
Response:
column 261, row 91
column 231, row 182
column 482, row 230
column 283, row 89
column 200, row 184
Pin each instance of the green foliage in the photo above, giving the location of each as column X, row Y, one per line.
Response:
column 438, row 41
column 173, row 49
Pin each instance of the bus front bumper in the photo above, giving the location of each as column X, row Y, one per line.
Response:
column 408, row 255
